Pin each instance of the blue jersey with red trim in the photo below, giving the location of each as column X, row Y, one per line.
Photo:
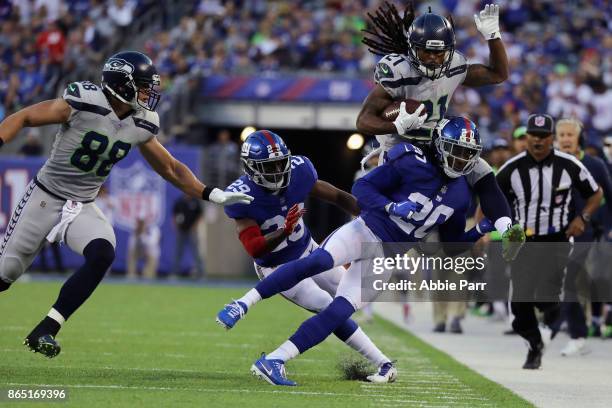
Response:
column 409, row 174
column 269, row 210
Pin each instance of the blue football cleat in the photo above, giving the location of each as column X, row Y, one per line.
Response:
column 273, row 371
column 231, row 313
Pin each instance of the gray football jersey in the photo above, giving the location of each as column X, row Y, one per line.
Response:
column 91, row 142
column 403, row 81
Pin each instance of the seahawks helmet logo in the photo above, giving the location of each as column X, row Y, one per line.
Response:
column 119, row 65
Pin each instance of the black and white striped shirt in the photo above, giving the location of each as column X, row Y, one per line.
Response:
column 539, row 193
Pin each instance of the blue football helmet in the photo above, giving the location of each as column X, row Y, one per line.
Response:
column 458, row 145
column 431, row 32
column 266, row 160
column 131, row 77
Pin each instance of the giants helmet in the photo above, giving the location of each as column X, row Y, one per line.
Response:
column 431, row 32
column 457, row 145
column 266, row 160
column 131, row 77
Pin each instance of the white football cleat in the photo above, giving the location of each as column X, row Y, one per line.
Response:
column 575, row 347
column 387, row 373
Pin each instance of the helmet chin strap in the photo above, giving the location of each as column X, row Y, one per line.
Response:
column 134, row 104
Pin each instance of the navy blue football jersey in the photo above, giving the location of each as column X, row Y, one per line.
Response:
column 269, row 210
column 409, row 174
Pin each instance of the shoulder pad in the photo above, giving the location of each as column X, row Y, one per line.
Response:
column 403, row 149
column 458, row 65
column 391, row 67
column 147, row 120
column 86, row 96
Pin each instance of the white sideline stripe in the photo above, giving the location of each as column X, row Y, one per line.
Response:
column 155, row 369
column 215, row 390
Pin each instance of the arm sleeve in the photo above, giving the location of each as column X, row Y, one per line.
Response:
column 371, row 189
column 583, row 180
column 493, row 202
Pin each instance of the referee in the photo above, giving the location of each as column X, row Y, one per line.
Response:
column 538, row 184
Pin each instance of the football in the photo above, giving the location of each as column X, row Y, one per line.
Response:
column 390, row 113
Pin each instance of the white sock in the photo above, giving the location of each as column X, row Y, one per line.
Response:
column 55, row 315
column 361, row 343
column 250, row 298
column 503, row 224
column 285, row 352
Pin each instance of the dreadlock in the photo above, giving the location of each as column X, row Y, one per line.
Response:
column 388, row 33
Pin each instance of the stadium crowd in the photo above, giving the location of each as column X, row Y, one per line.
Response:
column 42, row 41
column 558, row 59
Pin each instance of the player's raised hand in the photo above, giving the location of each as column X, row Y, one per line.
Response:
column 407, row 121
column 404, row 209
column 487, row 22
column 292, row 219
column 219, row 196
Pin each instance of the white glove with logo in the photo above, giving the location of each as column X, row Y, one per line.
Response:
column 488, row 22
column 219, row 196
column 407, row 121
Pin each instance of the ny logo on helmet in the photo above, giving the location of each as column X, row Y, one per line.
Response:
column 119, row 65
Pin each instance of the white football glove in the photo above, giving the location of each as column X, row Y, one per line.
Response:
column 488, row 22
column 407, row 121
column 219, row 196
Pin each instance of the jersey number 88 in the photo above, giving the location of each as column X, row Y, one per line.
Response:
column 93, row 147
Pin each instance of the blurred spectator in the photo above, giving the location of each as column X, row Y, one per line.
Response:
column 519, row 140
column 143, row 245
column 223, row 159
column 187, row 213
column 32, row 146
column 121, row 12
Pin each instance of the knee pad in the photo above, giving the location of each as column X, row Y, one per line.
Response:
column 99, row 252
column 11, row 269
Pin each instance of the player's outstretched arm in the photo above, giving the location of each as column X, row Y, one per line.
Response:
column 369, row 120
column 183, row 178
column 53, row 111
column 333, row 195
column 257, row 244
column 487, row 22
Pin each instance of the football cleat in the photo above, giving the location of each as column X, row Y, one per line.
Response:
column 45, row 345
column 387, row 373
column 231, row 313
column 272, row 371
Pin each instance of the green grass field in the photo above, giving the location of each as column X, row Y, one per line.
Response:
column 133, row 345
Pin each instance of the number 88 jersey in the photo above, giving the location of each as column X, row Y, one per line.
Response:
column 87, row 147
column 269, row 210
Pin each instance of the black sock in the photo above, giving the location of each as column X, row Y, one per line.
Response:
column 4, row 285
column 46, row 326
column 99, row 255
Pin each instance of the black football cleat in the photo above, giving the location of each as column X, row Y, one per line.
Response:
column 45, row 345
column 534, row 357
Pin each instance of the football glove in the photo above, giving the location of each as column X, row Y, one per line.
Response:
column 407, row 121
column 219, row 196
column 405, row 209
column 292, row 219
column 512, row 241
column 488, row 22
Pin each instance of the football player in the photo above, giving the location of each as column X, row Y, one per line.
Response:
column 420, row 62
column 99, row 125
column 273, row 232
column 401, row 201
